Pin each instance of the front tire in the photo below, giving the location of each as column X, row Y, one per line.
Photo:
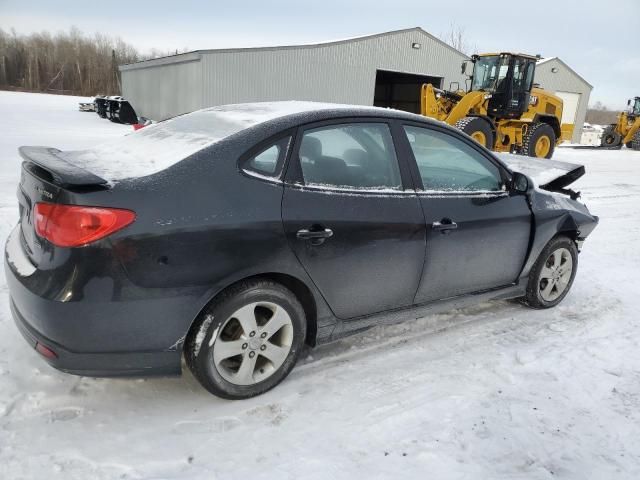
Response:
column 247, row 340
column 611, row 138
column 478, row 129
column 539, row 141
column 553, row 273
column 635, row 141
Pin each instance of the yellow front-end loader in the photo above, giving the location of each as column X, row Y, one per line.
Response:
column 627, row 130
column 502, row 108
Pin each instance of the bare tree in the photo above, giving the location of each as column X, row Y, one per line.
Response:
column 457, row 38
column 599, row 114
column 67, row 63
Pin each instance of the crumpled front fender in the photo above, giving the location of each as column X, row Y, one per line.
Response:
column 555, row 213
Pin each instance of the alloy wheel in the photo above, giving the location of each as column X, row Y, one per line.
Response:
column 253, row 343
column 555, row 274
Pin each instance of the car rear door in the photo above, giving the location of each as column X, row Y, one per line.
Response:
column 352, row 217
column 478, row 232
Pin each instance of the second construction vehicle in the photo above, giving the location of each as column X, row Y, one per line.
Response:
column 502, row 109
column 627, row 130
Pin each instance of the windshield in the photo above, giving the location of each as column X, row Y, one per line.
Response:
column 636, row 107
column 489, row 72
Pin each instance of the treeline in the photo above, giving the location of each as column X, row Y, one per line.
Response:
column 65, row 63
column 599, row 114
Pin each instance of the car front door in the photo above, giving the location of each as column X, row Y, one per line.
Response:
column 352, row 217
column 477, row 231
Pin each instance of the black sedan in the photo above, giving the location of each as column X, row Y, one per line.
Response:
column 235, row 235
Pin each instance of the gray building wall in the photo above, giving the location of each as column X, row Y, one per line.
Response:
column 565, row 80
column 342, row 72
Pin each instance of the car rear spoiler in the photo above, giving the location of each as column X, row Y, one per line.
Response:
column 63, row 173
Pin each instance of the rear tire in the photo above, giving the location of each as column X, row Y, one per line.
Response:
column 539, row 141
column 610, row 138
column 478, row 129
column 553, row 273
column 635, row 142
column 247, row 340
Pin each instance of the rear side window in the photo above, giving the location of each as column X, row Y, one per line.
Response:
column 449, row 164
column 268, row 161
column 354, row 156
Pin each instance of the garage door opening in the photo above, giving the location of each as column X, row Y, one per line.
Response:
column 401, row 90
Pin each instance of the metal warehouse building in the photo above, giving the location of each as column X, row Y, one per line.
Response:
column 385, row 69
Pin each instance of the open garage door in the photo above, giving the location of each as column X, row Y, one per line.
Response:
column 401, row 90
column 570, row 102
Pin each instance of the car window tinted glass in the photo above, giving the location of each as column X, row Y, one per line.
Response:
column 356, row 155
column 269, row 160
column 448, row 164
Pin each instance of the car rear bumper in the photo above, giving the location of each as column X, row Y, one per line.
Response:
column 111, row 364
column 101, row 333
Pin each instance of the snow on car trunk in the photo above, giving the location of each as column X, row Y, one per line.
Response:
column 159, row 146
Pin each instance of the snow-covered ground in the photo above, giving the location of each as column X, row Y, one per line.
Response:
column 494, row 391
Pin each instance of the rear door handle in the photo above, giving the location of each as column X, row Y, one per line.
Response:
column 317, row 237
column 445, row 225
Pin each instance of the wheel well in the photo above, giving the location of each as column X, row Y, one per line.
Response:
column 304, row 295
column 299, row 289
column 551, row 121
column 569, row 231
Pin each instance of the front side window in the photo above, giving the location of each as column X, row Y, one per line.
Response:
column 489, row 73
column 354, row 156
column 447, row 164
column 636, row 107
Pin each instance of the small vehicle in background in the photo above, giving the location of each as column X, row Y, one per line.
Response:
column 87, row 106
column 115, row 108
column 627, row 129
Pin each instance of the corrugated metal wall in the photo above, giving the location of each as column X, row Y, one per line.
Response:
column 161, row 90
column 565, row 80
column 341, row 72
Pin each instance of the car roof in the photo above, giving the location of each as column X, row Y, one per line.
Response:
column 162, row 145
column 258, row 112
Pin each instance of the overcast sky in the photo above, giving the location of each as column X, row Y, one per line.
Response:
column 599, row 39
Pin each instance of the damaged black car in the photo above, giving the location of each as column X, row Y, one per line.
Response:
column 235, row 235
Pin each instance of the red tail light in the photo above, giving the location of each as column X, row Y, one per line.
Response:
column 45, row 351
column 75, row 226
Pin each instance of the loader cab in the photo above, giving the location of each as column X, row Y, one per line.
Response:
column 507, row 79
column 635, row 107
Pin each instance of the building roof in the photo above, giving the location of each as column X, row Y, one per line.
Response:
column 194, row 54
column 557, row 59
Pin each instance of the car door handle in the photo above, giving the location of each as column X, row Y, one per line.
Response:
column 306, row 234
column 445, row 225
column 316, row 235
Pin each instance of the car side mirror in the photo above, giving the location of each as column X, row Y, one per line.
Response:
column 519, row 182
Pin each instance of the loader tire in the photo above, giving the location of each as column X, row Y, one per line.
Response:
column 478, row 129
column 610, row 138
column 635, row 141
column 539, row 141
